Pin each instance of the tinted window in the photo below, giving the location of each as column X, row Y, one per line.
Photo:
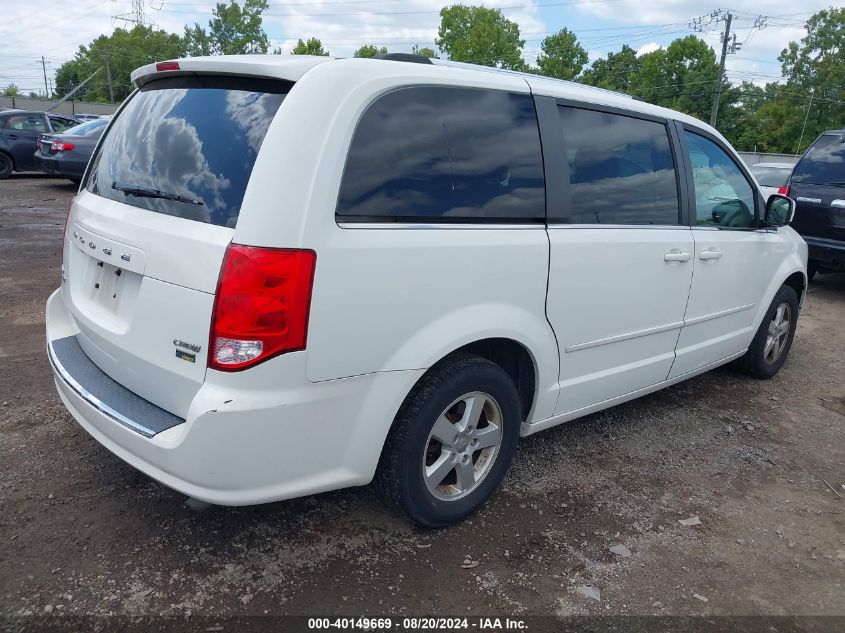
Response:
column 824, row 162
column 770, row 176
column 620, row 169
column 438, row 154
column 723, row 197
column 26, row 123
column 195, row 137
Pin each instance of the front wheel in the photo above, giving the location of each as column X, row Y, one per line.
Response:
column 770, row 347
column 451, row 442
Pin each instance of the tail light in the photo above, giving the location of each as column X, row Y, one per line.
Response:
column 162, row 66
column 60, row 146
column 261, row 307
column 783, row 190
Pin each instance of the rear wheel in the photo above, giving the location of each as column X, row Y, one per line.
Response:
column 451, row 442
column 6, row 166
column 770, row 347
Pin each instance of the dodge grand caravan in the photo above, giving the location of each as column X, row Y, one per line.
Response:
column 289, row 275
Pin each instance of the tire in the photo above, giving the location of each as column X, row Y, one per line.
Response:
column 764, row 358
column 812, row 269
column 6, row 166
column 469, row 397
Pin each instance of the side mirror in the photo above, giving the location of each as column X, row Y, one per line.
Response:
column 779, row 210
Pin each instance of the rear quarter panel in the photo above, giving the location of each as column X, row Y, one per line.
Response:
column 388, row 299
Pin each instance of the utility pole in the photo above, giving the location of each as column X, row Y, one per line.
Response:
column 108, row 78
column 44, row 68
column 714, row 111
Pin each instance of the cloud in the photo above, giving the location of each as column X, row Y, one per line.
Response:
column 648, row 48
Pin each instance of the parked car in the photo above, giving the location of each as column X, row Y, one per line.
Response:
column 19, row 133
column 289, row 275
column 89, row 117
column 818, row 186
column 67, row 154
column 771, row 176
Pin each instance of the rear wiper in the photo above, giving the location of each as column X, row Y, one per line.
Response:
column 148, row 192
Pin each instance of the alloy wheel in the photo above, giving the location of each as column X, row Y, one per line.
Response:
column 462, row 446
column 778, row 333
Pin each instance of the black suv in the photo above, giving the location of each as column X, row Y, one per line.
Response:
column 818, row 186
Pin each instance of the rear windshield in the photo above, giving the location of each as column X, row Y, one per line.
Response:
column 84, row 129
column 185, row 146
column 824, row 162
column 771, row 176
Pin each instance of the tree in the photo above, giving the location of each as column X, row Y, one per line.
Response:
column 562, row 56
column 231, row 31
column 614, row 72
column 481, row 36
column 117, row 54
column 680, row 77
column 370, row 50
column 11, row 91
column 312, row 46
column 425, row 51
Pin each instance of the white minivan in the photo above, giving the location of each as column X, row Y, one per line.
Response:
column 284, row 275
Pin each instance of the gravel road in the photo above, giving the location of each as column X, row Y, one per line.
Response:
column 761, row 464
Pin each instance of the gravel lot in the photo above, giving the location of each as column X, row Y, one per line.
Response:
column 762, row 464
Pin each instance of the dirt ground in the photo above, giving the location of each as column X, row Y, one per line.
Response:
column 762, row 464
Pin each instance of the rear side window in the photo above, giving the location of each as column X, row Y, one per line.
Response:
column 621, row 169
column 185, row 146
column 824, row 162
column 442, row 154
column 26, row 123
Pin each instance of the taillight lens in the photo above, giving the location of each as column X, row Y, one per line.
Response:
column 783, row 190
column 62, row 147
column 261, row 307
column 167, row 66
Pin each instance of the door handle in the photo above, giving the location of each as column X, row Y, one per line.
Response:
column 710, row 253
column 13, row 136
column 676, row 256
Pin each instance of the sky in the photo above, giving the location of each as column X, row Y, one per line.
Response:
column 26, row 33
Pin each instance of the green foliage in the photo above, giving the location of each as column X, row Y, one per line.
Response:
column 370, row 50
column 121, row 52
column 425, row 51
column 680, row 77
column 11, row 91
column 232, row 30
column 312, row 46
column 562, row 56
column 480, row 36
column 614, row 72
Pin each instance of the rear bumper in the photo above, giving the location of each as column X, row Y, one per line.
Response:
column 257, row 436
column 830, row 253
column 58, row 167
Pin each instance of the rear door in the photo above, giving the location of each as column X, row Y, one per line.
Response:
column 818, row 187
column 149, row 229
column 621, row 257
column 21, row 134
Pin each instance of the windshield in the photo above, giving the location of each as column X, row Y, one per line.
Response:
column 185, row 146
column 824, row 162
column 83, row 129
column 771, row 176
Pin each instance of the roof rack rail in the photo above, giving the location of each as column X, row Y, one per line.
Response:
column 404, row 57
